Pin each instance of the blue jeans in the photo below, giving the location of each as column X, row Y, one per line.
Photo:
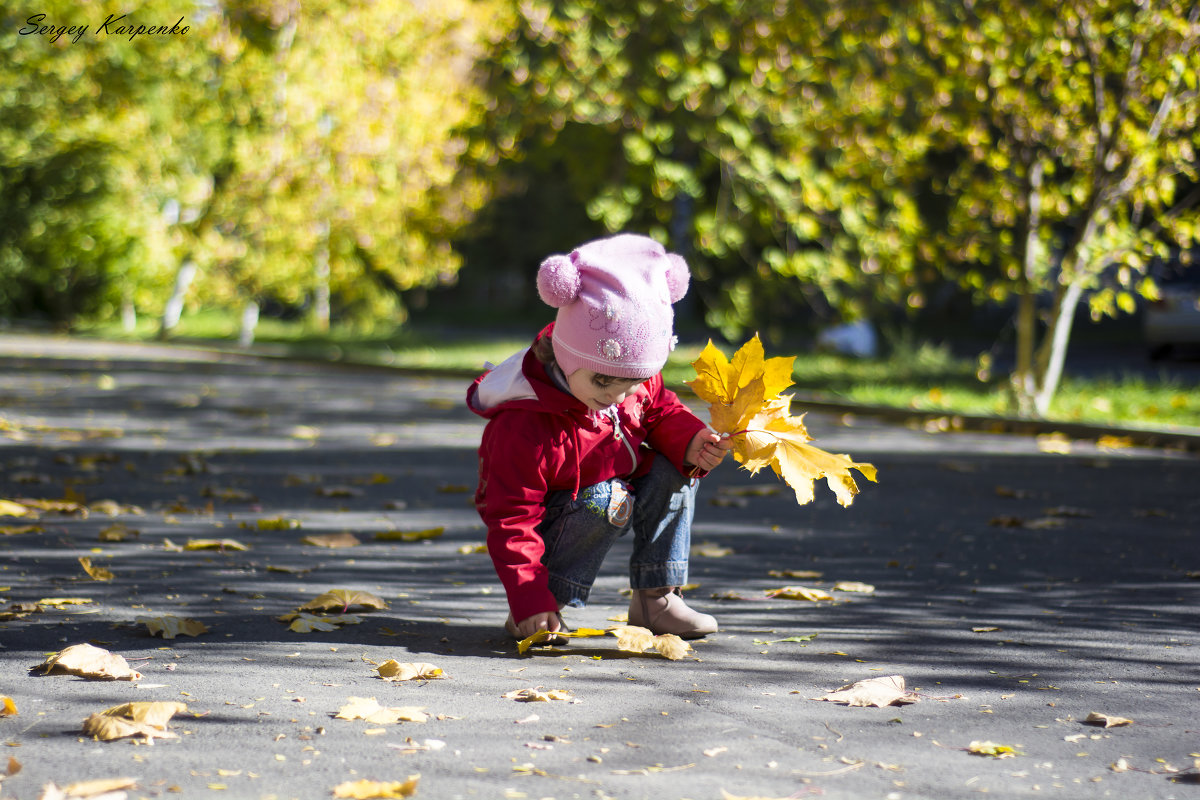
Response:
column 579, row 533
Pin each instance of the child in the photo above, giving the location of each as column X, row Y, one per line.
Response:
column 583, row 443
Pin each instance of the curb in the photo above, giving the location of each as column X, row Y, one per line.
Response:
column 1181, row 440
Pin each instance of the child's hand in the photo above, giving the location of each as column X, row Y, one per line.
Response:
column 707, row 449
column 547, row 620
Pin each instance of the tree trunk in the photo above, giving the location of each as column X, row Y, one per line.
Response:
column 321, row 292
column 128, row 311
column 174, row 308
column 1060, row 335
column 249, row 323
column 1024, row 378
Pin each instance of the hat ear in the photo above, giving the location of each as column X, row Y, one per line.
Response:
column 678, row 277
column 558, row 281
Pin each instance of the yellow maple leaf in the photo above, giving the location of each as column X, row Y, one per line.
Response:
column 343, row 599
column 170, row 626
column 94, row 572
column 369, row 709
column 89, row 661
column 746, row 405
column 7, row 707
column 393, row 670
column 370, row 790
column 409, row 536
column 992, row 749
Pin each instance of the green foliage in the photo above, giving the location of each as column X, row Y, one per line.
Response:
column 284, row 149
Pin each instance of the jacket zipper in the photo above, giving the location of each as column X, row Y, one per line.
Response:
column 619, row 435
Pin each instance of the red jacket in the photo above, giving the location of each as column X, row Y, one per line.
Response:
column 540, row 439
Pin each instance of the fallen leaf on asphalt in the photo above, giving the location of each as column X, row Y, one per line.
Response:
column 101, row 789
column 89, row 661
column 878, row 692
column 988, row 629
column 1096, row 718
column 333, row 540
column 7, row 707
column 10, row 509
column 630, row 639
column 277, row 524
column 710, row 550
column 17, row 530
column 228, row 494
column 133, row 719
column 367, row 708
column 300, row 622
column 992, row 750
column 170, row 627
column 369, row 790
column 799, row 593
column 118, row 532
column 471, row 549
column 59, row 602
column 343, row 599
column 1068, row 511
column 392, row 670
column 95, row 573
column 536, row 695
column 634, row 639
column 745, row 403
column 1111, row 442
column 214, row 544
column 1054, row 443
column 796, row 574
column 854, row 586
column 338, row 491
column 806, row 638
column 409, row 536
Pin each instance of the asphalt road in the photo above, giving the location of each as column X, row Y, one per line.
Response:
column 1019, row 585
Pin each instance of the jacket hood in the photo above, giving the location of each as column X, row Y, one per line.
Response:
column 521, row 381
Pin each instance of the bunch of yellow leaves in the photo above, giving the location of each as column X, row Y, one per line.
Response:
column 745, row 403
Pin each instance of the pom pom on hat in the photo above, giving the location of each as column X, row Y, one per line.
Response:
column 614, row 299
column 558, row 281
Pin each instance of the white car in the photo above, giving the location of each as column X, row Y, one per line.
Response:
column 1174, row 319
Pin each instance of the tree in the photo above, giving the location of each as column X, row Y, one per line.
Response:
column 1071, row 130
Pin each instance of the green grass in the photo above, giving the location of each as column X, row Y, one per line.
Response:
column 921, row 377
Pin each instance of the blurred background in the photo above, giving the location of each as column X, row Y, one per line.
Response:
column 977, row 206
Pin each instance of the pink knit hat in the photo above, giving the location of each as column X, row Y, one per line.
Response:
column 614, row 301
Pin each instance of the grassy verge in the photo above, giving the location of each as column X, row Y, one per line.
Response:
column 923, row 378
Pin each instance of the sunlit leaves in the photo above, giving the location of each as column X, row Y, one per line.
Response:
column 630, row 639
column 880, row 692
column 368, row 709
column 392, row 670
column 745, row 404
column 89, row 661
column 94, row 572
column 373, row 790
column 169, row 626
column 992, row 749
column 145, row 719
column 344, row 600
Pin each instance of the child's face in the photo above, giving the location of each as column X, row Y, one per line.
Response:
column 598, row 392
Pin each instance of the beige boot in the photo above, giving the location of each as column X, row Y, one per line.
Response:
column 662, row 610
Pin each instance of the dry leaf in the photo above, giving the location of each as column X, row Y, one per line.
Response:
column 710, row 550
column 7, row 707
column 101, row 788
column 343, row 599
column 392, row 670
column 536, row 695
column 59, row 602
column 369, row 790
column 1054, row 443
column 630, row 639
column 800, row 593
column 1096, row 718
column 878, row 692
column 301, row 622
column 472, row 549
column 367, row 708
column 745, row 404
column 95, row 573
column 992, row 750
column 170, row 626
column 118, row 532
column 277, row 524
column 797, row 574
column 214, row 544
column 10, row 509
column 89, row 661
column 854, row 586
column 133, row 719
column 409, row 536
column 345, row 539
